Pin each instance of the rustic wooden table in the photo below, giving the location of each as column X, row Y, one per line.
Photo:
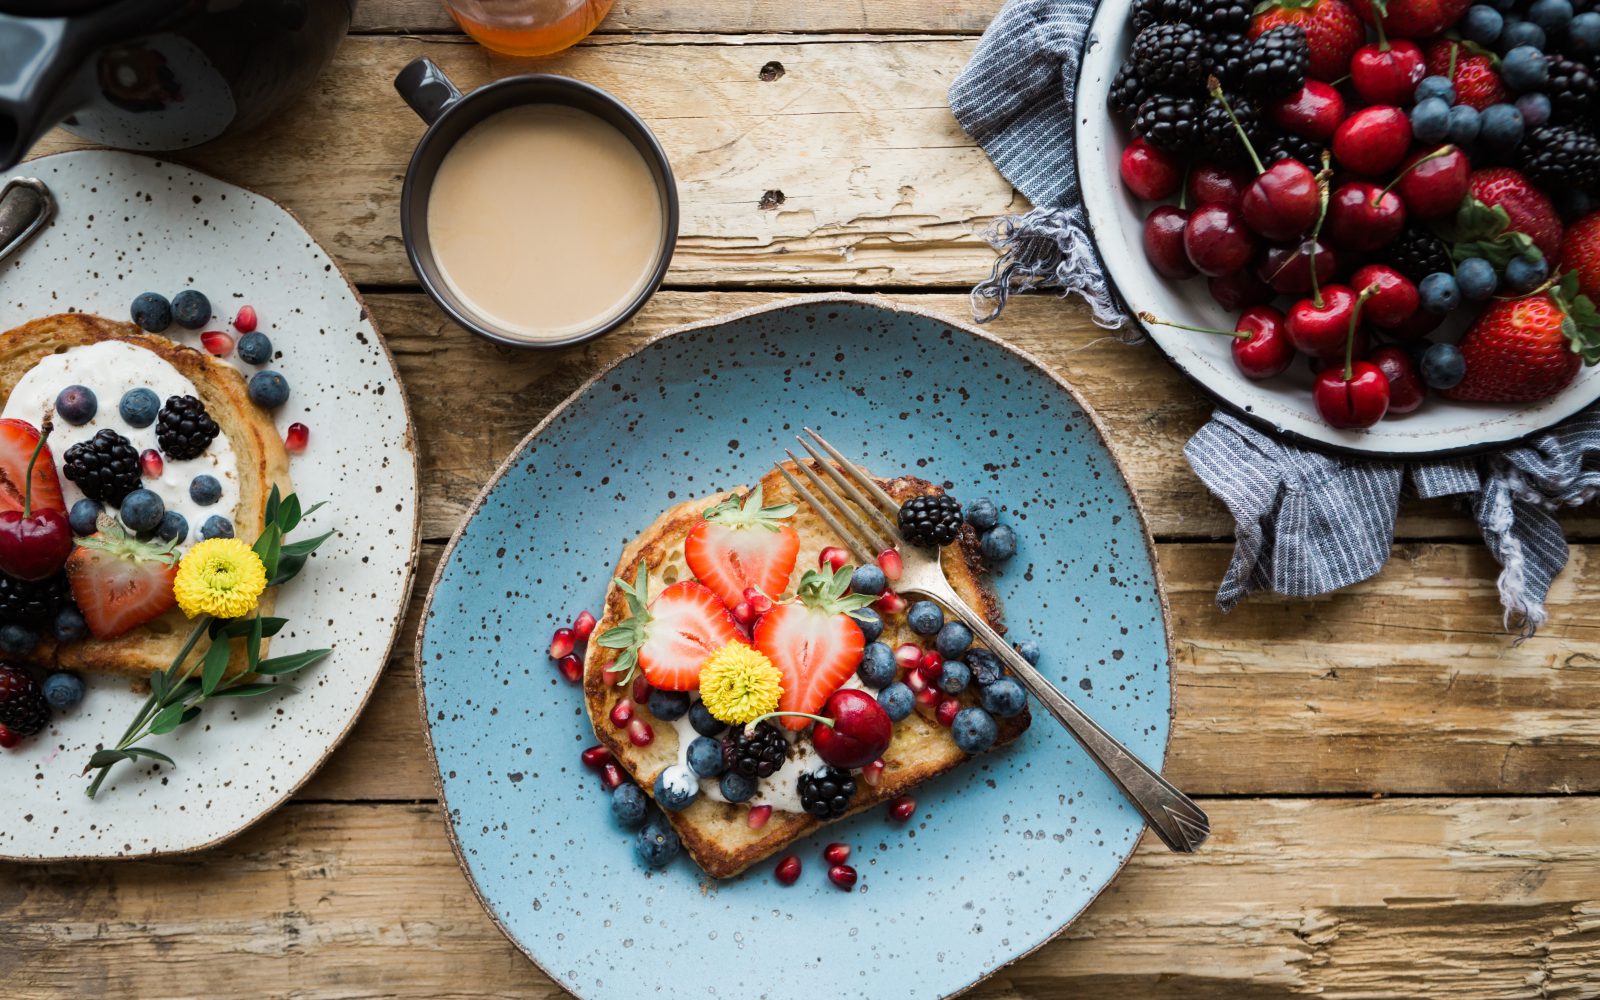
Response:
column 1404, row 801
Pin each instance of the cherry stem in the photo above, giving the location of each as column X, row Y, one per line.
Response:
column 1183, row 191
column 27, row 491
column 1235, row 334
column 823, row 720
column 1441, row 151
column 1350, row 336
column 1215, row 86
column 1324, row 181
column 1380, row 11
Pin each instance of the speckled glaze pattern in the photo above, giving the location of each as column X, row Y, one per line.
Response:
column 128, row 224
column 1002, row 854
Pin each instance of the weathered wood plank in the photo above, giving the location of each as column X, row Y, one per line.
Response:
column 730, row 16
column 1342, row 899
column 873, row 182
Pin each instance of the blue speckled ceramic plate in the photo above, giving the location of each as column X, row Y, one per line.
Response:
column 1003, row 853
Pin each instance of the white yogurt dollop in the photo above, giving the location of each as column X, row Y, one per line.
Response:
column 110, row 369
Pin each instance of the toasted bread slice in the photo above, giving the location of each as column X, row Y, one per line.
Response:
column 263, row 463
column 717, row 834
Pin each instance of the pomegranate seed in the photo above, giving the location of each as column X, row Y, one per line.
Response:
column 641, row 689
column 946, row 712
column 561, row 643
column 743, row 613
column 571, row 669
column 622, row 712
column 217, row 342
column 759, row 603
column 902, row 808
column 930, row 675
column 296, row 438
column 928, row 696
column 245, row 322
column 889, row 562
column 832, row 557
column 788, row 870
column 932, row 661
column 908, row 656
column 583, row 625
column 758, row 816
column 836, row 853
column 890, row 603
column 613, row 675
column 611, row 776
column 842, row 876
column 8, row 739
column 640, row 734
column 596, row 757
column 916, row 682
column 873, row 772
column 150, row 463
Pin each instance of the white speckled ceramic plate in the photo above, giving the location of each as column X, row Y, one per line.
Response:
column 126, row 224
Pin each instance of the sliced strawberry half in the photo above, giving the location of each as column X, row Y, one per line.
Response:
column 18, row 439
column 813, row 641
column 740, row 545
column 670, row 637
column 119, row 582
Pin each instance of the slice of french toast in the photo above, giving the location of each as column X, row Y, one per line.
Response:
column 258, row 450
column 718, row 835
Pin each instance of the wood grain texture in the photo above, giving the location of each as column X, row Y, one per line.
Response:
column 1340, row 899
column 730, row 16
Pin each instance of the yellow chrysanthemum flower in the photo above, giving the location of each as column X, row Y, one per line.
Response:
column 739, row 684
column 221, row 577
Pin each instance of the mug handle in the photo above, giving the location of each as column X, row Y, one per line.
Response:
column 425, row 87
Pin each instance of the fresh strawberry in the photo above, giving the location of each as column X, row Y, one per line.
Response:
column 1412, row 18
column 1526, row 207
column 1526, row 349
column 1332, row 29
column 120, row 582
column 1475, row 74
column 18, row 439
column 813, row 641
column 670, row 637
column 1580, row 254
column 737, row 546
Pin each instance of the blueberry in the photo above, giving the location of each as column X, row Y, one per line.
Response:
column 17, row 640
column 139, row 407
column 84, row 517
column 191, row 309
column 1525, row 68
column 954, row 677
column 1535, row 109
column 1551, row 15
column 705, row 757
column 985, row 666
column 999, row 544
column 877, row 665
column 1583, row 34
column 1430, row 120
column 629, row 806
column 657, row 844
column 1502, row 127
column 1463, row 123
column 1029, row 650
column 676, row 787
column 254, row 349
column 870, row 622
column 1572, row 202
column 1442, row 366
column 1435, row 86
column 668, row 706
column 897, row 701
column 268, row 389
column 925, row 618
column 69, row 625
column 216, row 526
column 703, row 722
column 1524, row 274
column 868, row 579
column 736, row 787
column 1517, row 34
column 952, row 640
column 77, row 405
column 1477, row 279
column 63, row 690
column 205, row 490
column 1439, row 292
column 1005, row 697
column 1481, row 24
column 982, row 514
column 152, row 312
column 142, row 510
column 974, row 730
column 174, row 527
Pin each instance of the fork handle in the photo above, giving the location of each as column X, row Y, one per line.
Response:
column 1180, row 824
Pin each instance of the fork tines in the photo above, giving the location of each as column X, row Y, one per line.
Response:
column 867, row 536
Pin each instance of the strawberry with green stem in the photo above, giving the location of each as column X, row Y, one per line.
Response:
column 670, row 637
column 742, row 544
column 1529, row 348
column 813, row 641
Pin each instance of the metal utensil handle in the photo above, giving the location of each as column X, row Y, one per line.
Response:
column 25, row 206
column 1180, row 824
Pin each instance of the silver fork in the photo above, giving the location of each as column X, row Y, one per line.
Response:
column 1180, row 824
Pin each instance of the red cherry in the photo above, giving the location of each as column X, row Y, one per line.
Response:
column 1387, row 72
column 1373, row 140
column 1395, row 299
column 856, row 732
column 788, row 870
column 1354, row 402
column 1239, row 290
column 1359, row 347
column 1216, row 240
column 1150, row 173
column 1406, row 390
column 1434, row 182
column 1259, row 347
column 1210, row 182
column 245, row 322
column 1363, row 216
column 1313, row 111
column 34, row 543
column 1163, row 242
column 1287, row 270
column 1320, row 329
column 1282, row 202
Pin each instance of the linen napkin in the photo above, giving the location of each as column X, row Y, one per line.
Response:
column 1306, row 522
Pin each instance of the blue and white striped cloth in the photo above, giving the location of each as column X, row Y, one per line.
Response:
column 1306, row 522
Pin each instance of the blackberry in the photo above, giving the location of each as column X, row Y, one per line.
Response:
column 32, row 602
column 826, row 794
column 22, row 706
column 1417, row 253
column 1573, row 89
column 1287, row 145
column 184, row 428
column 1225, row 17
column 105, row 467
column 1277, row 63
column 1230, row 57
column 930, row 521
column 1169, row 123
column 1171, row 58
column 755, row 753
column 1148, row 12
column 1559, row 156
column 1127, row 93
column 1217, row 136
